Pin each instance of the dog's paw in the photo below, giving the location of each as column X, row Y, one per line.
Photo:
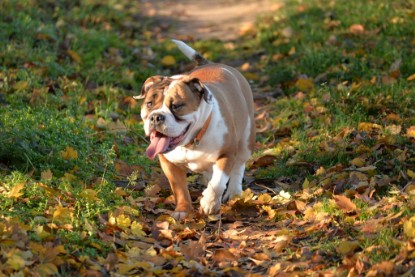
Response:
column 231, row 193
column 178, row 215
column 210, row 202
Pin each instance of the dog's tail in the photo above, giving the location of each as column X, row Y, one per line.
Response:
column 191, row 53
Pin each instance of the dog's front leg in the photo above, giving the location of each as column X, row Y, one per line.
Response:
column 212, row 195
column 178, row 183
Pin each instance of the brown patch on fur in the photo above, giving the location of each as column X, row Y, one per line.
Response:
column 153, row 92
column 184, row 95
column 177, row 178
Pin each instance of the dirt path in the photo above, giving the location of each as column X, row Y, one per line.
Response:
column 214, row 19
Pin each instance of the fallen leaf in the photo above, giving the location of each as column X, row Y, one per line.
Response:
column 195, row 250
column 47, row 269
column 69, row 153
column 409, row 227
column 46, row 175
column 304, row 85
column 265, row 160
column 410, row 132
column 344, row 203
column 223, row 255
column 74, row 56
column 16, row 190
column 358, row 162
column 168, row 60
column 21, row 85
column 347, row 247
column 357, row 29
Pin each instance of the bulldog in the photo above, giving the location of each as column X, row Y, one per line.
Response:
column 202, row 121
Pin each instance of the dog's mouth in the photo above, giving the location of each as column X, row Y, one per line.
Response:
column 160, row 143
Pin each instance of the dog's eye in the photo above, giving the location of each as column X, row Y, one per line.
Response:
column 149, row 104
column 176, row 107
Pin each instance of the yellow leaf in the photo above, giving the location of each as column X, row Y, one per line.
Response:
column 247, row 195
column 306, row 183
column 69, row 153
column 89, row 194
column 264, row 198
column 168, row 60
column 367, row 127
column 74, row 56
column 42, row 234
column 305, row 85
column 47, row 269
column 359, row 162
column 137, row 229
column 46, row 175
column 21, row 85
column 270, row 211
column 411, row 78
column 409, row 227
column 410, row 132
column 251, row 76
column 393, row 129
column 123, row 221
column 63, row 214
column 15, row 192
column 347, row 247
column 15, row 261
column 410, row 173
column 320, row 171
column 69, row 177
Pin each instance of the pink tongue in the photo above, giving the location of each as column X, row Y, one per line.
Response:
column 158, row 144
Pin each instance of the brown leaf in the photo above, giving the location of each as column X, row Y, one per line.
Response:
column 357, row 29
column 74, row 56
column 223, row 255
column 195, row 250
column 265, row 160
column 345, row 204
column 296, row 205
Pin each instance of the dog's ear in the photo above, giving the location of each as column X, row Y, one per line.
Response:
column 197, row 86
column 151, row 81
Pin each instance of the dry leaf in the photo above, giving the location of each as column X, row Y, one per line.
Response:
column 69, row 153
column 168, row 60
column 16, row 191
column 347, row 247
column 46, row 175
column 411, row 78
column 304, row 85
column 345, row 204
column 357, row 29
column 74, row 56
column 410, row 132
column 409, row 227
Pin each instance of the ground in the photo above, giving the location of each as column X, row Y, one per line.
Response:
column 217, row 19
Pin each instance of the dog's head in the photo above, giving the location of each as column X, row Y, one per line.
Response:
column 171, row 111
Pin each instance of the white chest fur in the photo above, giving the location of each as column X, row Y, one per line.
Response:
column 202, row 157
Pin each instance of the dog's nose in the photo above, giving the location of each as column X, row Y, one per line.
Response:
column 157, row 119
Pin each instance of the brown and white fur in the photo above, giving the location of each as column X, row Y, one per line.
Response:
column 176, row 110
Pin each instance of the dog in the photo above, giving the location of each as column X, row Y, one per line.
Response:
column 203, row 121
